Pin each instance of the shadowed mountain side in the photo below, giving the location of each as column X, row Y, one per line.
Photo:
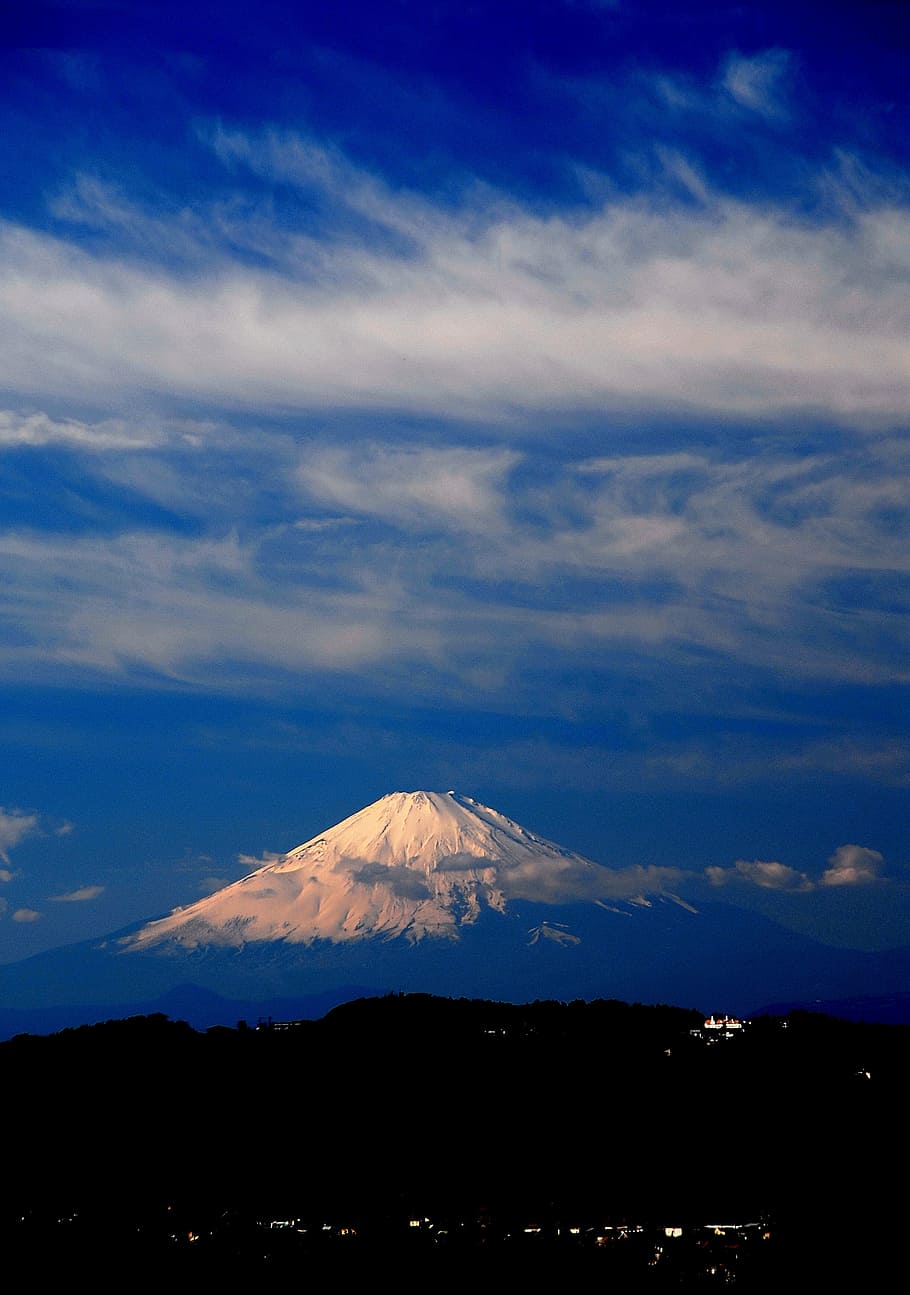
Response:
column 721, row 958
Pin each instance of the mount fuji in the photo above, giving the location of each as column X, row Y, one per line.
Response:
column 416, row 866
column 434, row 892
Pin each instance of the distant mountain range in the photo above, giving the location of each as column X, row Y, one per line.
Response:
column 433, row 892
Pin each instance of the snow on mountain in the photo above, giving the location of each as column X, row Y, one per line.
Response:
column 414, row 864
column 427, row 892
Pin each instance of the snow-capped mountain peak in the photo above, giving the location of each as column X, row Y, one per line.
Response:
column 414, row 864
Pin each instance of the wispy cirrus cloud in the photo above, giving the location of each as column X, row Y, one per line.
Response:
column 480, row 309
column 37, row 429
column 457, row 487
column 79, row 896
column 757, row 81
column 885, row 761
column 468, row 556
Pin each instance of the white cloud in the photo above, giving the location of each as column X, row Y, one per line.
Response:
column 488, row 562
column 37, row 429
column 756, row 81
column 546, row 884
column 452, row 487
column 254, row 862
column 481, row 311
column 14, row 827
column 168, row 604
column 79, row 896
column 768, row 874
column 849, row 865
column 26, row 915
column 853, row 865
column 740, row 759
column 185, row 234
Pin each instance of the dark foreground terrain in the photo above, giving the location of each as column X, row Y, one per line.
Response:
column 459, row 1139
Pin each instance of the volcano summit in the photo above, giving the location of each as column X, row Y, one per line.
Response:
column 434, row 892
column 418, row 865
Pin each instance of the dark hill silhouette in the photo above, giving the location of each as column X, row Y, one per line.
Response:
column 487, row 1114
column 412, row 1092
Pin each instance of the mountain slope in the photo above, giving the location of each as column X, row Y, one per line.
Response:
column 433, row 892
column 416, row 865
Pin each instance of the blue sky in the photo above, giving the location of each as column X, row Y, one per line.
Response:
column 504, row 397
